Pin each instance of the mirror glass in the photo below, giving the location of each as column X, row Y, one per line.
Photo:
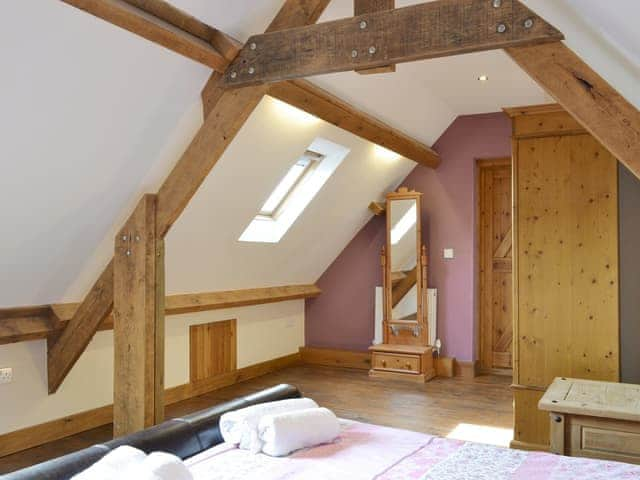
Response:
column 403, row 259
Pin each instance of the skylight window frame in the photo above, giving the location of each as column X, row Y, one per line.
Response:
column 314, row 161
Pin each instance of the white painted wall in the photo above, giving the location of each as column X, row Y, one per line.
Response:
column 264, row 332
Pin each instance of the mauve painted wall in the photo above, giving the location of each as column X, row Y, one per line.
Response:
column 342, row 317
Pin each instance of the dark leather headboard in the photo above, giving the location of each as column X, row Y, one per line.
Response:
column 183, row 437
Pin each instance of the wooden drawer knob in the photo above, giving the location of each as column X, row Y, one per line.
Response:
column 408, row 366
column 384, row 363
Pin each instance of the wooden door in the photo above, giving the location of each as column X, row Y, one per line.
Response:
column 495, row 241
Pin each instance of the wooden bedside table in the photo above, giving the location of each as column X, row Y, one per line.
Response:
column 594, row 419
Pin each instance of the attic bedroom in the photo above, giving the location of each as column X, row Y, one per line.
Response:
column 325, row 239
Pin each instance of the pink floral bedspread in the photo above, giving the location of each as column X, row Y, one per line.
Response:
column 368, row 452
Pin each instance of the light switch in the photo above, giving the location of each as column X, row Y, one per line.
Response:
column 6, row 375
column 448, row 253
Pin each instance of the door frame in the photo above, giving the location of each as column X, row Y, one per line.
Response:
column 479, row 164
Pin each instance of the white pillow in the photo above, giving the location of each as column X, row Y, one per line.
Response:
column 240, row 427
column 159, row 466
column 113, row 464
column 286, row 432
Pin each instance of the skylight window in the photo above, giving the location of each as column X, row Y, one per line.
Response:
column 401, row 228
column 297, row 188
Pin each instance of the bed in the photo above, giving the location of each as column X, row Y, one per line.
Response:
column 362, row 451
column 366, row 451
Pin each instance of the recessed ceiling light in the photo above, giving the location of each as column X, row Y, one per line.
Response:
column 483, row 78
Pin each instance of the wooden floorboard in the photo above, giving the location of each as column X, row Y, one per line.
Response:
column 436, row 407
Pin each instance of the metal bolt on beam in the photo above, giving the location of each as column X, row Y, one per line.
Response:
column 233, row 75
column 497, row 3
column 253, row 46
column 501, row 28
column 363, row 25
column 528, row 23
column 354, row 53
column 372, row 49
column 252, row 70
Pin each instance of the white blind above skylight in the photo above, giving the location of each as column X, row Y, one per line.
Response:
column 296, row 174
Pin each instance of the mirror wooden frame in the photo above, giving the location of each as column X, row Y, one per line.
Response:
column 405, row 332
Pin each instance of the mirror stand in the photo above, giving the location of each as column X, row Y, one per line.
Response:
column 405, row 352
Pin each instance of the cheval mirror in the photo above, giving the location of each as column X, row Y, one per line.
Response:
column 405, row 352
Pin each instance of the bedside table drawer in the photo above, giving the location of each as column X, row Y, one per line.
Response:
column 394, row 362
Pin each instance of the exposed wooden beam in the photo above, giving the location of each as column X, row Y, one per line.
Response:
column 161, row 23
column 223, row 43
column 64, row 351
column 294, row 13
column 361, row 7
column 427, row 30
column 316, row 101
column 177, row 304
column 378, row 208
column 33, row 323
column 595, row 104
column 138, row 391
column 220, row 127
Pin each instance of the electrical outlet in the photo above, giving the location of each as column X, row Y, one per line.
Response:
column 6, row 375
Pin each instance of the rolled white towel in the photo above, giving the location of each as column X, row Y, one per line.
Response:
column 240, row 427
column 113, row 464
column 158, row 466
column 284, row 433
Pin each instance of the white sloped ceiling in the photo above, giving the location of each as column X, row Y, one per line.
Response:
column 93, row 116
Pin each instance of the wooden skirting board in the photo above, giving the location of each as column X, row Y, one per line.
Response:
column 36, row 435
column 466, row 369
column 336, row 358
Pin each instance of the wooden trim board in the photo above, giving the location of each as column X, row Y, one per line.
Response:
column 36, row 435
column 335, row 358
column 445, row 366
column 32, row 323
column 466, row 369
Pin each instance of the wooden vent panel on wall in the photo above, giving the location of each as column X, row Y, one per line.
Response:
column 212, row 349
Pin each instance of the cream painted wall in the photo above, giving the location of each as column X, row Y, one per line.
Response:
column 264, row 332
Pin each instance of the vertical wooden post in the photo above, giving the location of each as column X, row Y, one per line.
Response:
column 138, row 322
